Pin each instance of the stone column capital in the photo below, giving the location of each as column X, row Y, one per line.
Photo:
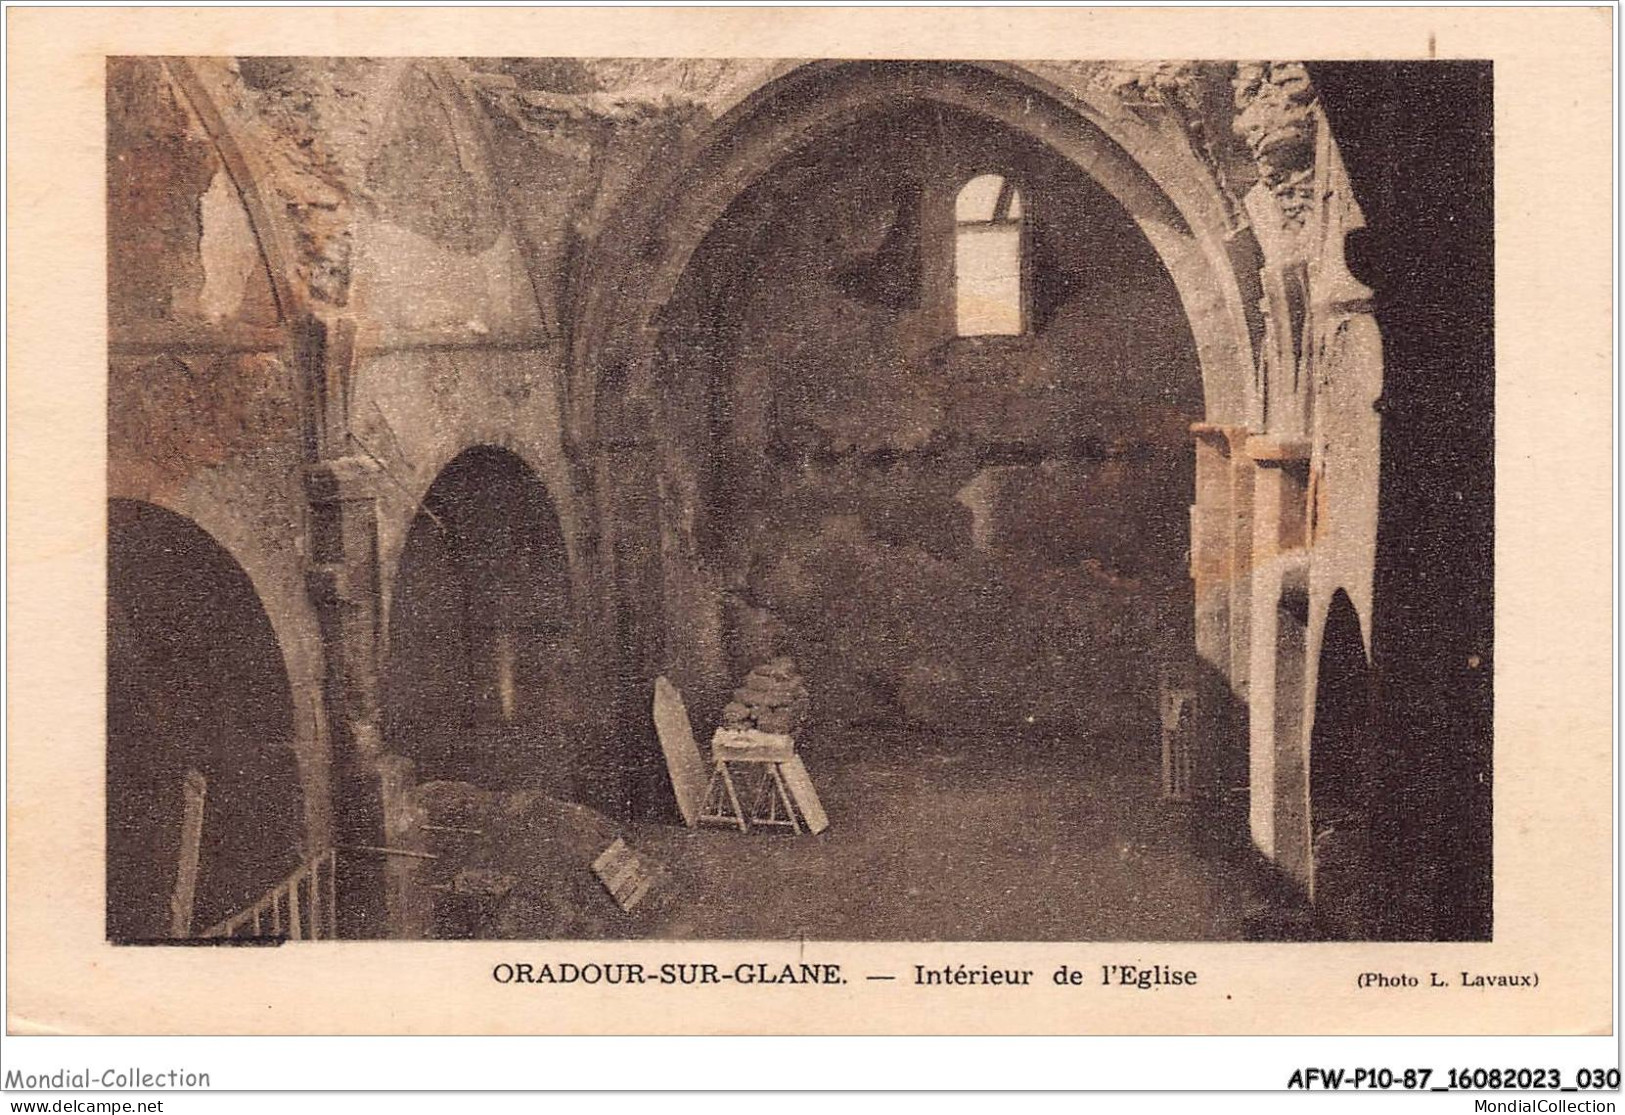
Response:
column 342, row 480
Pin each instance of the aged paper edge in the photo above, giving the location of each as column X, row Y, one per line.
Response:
column 1553, row 760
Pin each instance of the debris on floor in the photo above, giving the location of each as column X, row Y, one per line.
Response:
column 482, row 881
column 625, row 874
column 756, row 744
column 773, row 699
column 530, row 871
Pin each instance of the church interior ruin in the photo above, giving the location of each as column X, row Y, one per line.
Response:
column 597, row 498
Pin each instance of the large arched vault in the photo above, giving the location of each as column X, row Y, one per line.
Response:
column 1233, row 177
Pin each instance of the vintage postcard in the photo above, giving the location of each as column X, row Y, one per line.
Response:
column 956, row 522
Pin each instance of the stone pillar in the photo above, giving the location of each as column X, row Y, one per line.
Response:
column 1221, row 560
column 621, row 771
column 1278, row 772
column 1291, row 722
column 344, row 585
column 371, row 789
column 1213, row 568
column 1241, row 565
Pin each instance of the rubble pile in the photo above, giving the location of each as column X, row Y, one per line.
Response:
column 518, row 865
column 772, row 699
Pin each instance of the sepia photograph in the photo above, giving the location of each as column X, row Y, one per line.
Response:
column 584, row 498
column 939, row 549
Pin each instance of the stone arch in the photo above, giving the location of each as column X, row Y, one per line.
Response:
column 1172, row 197
column 631, row 274
column 197, row 681
column 246, row 173
column 477, row 669
column 259, row 544
column 400, row 505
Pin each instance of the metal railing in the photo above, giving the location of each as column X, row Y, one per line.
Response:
column 303, row 907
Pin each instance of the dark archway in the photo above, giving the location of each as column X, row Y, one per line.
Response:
column 478, row 685
column 195, row 682
column 1343, row 786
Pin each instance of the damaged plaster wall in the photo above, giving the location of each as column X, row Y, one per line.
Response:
column 859, row 465
column 203, row 404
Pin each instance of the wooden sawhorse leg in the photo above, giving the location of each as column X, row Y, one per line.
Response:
column 720, row 793
column 773, row 805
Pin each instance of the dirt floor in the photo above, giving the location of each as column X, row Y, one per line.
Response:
column 939, row 838
column 1035, row 836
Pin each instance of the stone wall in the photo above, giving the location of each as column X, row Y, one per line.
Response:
column 858, row 464
column 205, row 403
column 329, row 277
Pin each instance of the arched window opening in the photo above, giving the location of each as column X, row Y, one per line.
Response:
column 990, row 297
